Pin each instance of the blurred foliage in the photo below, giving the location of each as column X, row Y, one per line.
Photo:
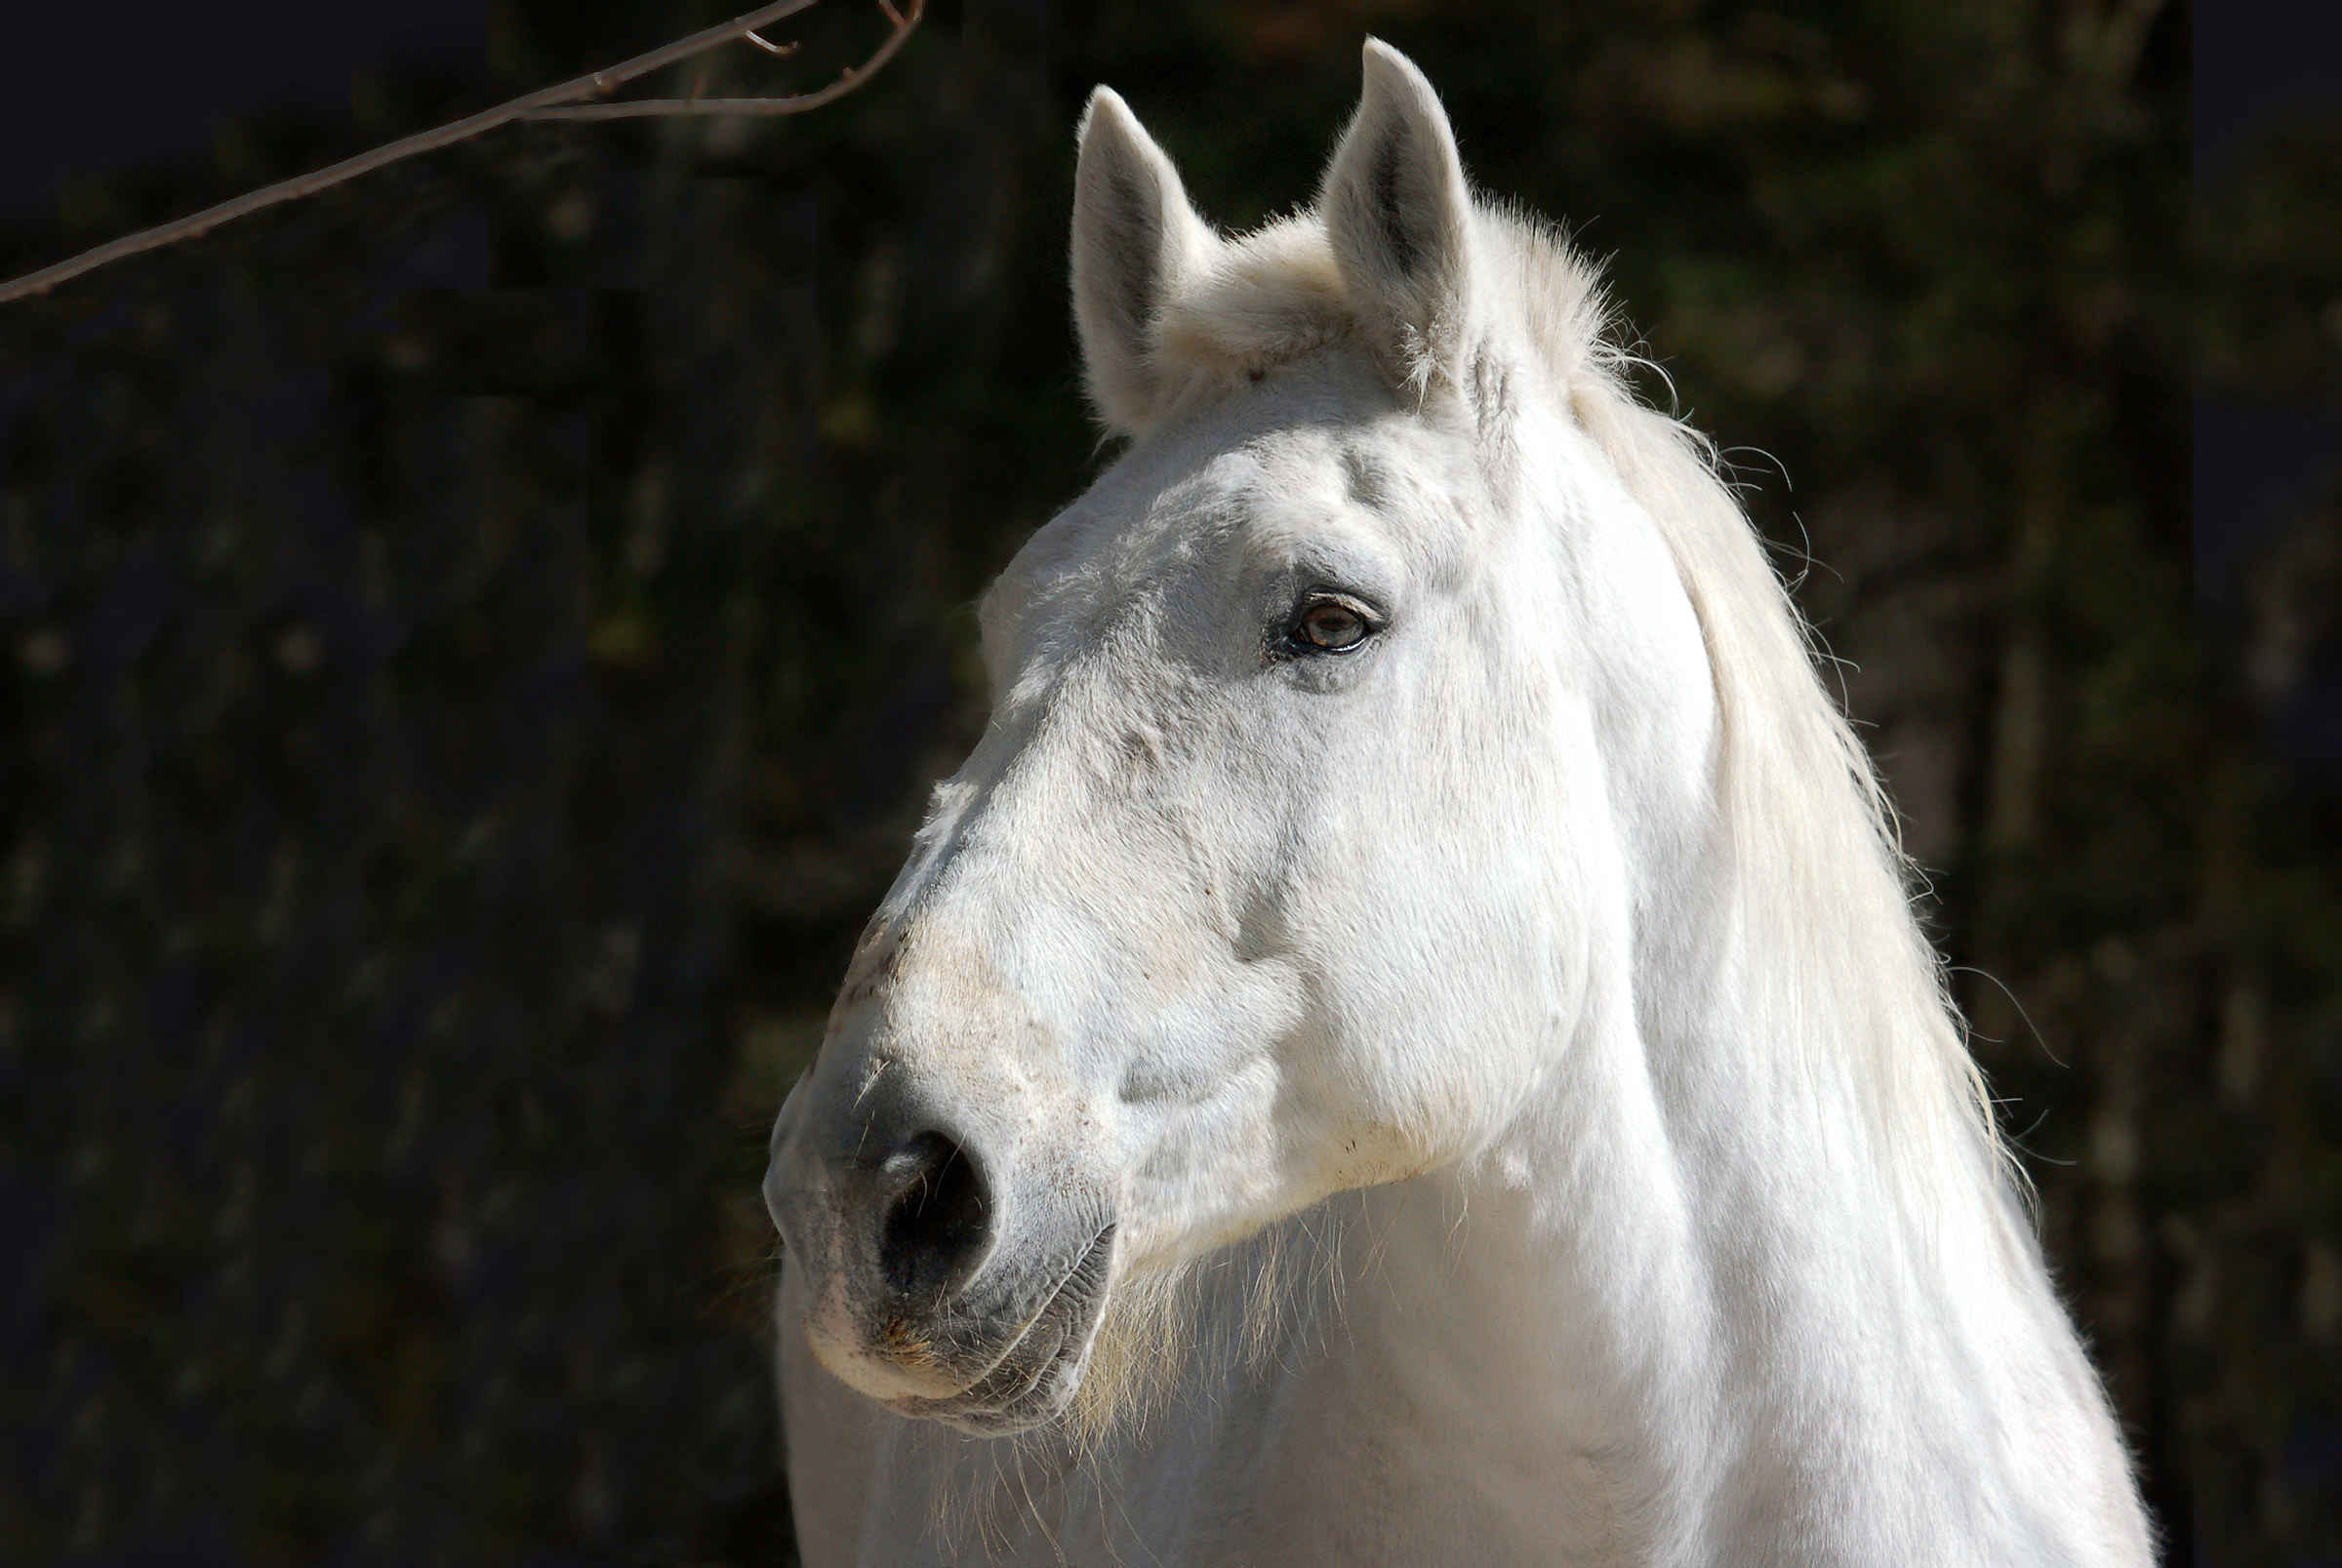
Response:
column 478, row 643
column 2270, row 246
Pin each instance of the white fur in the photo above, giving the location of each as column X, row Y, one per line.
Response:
column 1538, row 982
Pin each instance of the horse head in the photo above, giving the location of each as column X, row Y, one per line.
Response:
column 1297, row 827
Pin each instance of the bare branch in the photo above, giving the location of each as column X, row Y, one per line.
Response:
column 853, row 77
column 540, row 105
column 783, row 50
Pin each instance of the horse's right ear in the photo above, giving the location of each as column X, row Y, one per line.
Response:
column 1135, row 238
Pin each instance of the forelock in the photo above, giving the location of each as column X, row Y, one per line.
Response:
column 1270, row 296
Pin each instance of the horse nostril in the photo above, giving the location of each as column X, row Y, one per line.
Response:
column 937, row 1225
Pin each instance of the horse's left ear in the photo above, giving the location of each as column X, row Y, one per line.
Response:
column 1135, row 241
column 1398, row 213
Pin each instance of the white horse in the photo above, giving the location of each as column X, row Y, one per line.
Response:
column 1406, row 1042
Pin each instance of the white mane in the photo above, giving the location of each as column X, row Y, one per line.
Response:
column 1841, row 979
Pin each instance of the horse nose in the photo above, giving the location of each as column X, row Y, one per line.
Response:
column 939, row 1217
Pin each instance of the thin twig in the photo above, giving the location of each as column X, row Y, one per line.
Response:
column 853, row 77
column 532, row 105
column 783, row 51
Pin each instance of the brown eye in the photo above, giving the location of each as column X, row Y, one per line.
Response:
column 1331, row 627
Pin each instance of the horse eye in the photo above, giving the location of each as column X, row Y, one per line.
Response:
column 1331, row 627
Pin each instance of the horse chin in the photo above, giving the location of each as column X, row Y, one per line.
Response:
column 1036, row 1377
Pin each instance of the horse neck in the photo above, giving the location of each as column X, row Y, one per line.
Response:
column 1678, row 1259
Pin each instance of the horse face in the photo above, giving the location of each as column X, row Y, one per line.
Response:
column 1250, row 892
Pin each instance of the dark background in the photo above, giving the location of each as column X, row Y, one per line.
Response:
column 475, row 645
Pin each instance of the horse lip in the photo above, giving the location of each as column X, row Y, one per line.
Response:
column 1016, row 1409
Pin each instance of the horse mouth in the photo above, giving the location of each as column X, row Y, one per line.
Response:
column 1036, row 1376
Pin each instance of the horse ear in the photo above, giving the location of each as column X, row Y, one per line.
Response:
column 1135, row 237
column 1398, row 213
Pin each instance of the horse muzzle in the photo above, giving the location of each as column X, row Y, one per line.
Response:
column 946, row 1277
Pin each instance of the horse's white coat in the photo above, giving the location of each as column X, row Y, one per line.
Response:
column 1537, row 981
